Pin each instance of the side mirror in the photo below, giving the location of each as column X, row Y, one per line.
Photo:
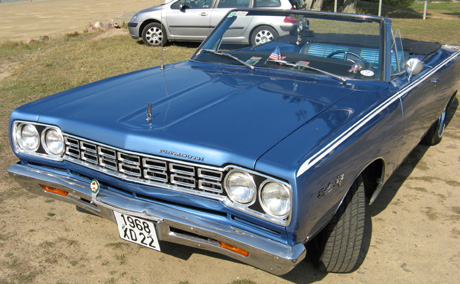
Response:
column 182, row 7
column 414, row 66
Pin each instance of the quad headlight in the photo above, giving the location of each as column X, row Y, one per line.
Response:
column 259, row 195
column 53, row 141
column 240, row 186
column 27, row 137
column 38, row 140
column 275, row 198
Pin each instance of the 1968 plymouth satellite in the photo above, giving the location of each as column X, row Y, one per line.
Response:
column 254, row 152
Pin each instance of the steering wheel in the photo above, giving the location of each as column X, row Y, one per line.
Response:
column 363, row 61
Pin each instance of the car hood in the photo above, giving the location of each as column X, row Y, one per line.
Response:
column 154, row 8
column 212, row 114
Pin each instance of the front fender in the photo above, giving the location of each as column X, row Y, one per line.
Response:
column 335, row 148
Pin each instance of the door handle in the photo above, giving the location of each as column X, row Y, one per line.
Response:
column 435, row 80
column 203, row 14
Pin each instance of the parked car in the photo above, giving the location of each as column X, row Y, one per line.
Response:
column 193, row 20
column 254, row 152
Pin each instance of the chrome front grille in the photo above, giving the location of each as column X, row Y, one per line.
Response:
column 145, row 169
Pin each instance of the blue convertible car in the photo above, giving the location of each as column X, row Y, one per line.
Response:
column 262, row 153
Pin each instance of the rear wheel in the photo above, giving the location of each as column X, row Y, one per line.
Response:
column 337, row 247
column 436, row 131
column 154, row 35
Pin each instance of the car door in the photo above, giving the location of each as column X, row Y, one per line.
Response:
column 422, row 106
column 421, row 102
column 189, row 19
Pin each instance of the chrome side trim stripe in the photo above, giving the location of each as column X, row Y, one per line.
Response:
column 310, row 162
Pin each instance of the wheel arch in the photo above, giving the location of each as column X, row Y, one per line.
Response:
column 373, row 177
column 452, row 98
column 146, row 22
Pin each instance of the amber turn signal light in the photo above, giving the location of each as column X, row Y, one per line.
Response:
column 234, row 249
column 54, row 190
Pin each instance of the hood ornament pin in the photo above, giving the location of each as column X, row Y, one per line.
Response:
column 149, row 112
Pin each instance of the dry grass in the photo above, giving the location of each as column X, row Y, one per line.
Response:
column 35, row 70
column 49, row 67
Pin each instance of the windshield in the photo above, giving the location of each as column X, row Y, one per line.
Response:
column 337, row 45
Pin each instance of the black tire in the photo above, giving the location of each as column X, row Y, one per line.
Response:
column 154, row 35
column 337, row 247
column 263, row 34
column 436, row 131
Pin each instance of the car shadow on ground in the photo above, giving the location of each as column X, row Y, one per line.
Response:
column 177, row 43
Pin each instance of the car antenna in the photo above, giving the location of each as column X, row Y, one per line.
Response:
column 163, row 34
column 162, row 68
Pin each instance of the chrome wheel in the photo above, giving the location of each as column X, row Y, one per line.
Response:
column 442, row 124
column 436, row 131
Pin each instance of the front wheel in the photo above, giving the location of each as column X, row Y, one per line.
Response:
column 154, row 35
column 337, row 247
column 263, row 35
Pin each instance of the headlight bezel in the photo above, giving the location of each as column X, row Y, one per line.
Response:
column 256, row 208
column 42, row 150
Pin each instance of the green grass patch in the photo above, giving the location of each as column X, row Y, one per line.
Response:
column 453, row 183
column 421, row 189
column 456, row 209
column 456, row 232
column 452, row 8
column 47, row 244
column 441, row 31
column 431, row 214
column 118, row 245
column 243, row 281
column 121, row 259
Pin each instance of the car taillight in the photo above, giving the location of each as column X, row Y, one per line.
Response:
column 290, row 20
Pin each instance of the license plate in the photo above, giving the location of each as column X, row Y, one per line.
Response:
column 137, row 230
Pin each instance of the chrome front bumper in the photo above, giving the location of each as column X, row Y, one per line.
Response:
column 172, row 225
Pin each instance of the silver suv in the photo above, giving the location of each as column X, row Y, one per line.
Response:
column 193, row 20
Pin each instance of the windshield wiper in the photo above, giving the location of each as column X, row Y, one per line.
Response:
column 229, row 56
column 304, row 66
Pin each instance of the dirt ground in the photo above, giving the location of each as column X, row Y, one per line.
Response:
column 415, row 235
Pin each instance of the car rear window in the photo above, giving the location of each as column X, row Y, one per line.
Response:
column 267, row 3
column 234, row 4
